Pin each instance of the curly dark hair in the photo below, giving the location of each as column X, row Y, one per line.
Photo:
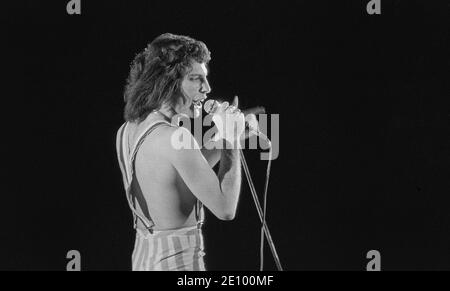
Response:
column 156, row 74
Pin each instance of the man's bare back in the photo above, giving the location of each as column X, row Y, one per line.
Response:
column 170, row 203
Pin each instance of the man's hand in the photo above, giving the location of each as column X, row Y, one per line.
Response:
column 230, row 122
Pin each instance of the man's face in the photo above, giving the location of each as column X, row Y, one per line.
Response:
column 195, row 87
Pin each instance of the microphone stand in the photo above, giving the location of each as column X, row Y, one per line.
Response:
column 261, row 214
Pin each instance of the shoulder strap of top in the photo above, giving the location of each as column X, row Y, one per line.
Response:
column 127, row 161
column 127, row 157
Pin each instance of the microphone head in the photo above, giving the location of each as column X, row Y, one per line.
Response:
column 209, row 105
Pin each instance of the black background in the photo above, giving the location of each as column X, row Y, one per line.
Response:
column 364, row 129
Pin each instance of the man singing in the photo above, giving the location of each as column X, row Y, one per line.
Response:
column 167, row 187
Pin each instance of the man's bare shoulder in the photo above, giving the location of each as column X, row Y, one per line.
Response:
column 167, row 139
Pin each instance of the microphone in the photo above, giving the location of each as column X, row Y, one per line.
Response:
column 209, row 106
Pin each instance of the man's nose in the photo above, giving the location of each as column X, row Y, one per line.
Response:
column 205, row 87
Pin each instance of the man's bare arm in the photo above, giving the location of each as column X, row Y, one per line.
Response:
column 219, row 193
column 230, row 176
column 211, row 154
